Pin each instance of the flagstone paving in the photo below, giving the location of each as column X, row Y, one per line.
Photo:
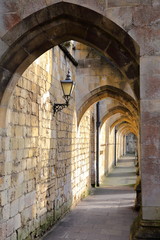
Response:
column 107, row 214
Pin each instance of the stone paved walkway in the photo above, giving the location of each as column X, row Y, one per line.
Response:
column 105, row 215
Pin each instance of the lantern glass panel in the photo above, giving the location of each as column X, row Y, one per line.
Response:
column 67, row 88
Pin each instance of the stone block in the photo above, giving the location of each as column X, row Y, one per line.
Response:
column 21, row 203
column 13, row 236
column 145, row 229
column 6, row 212
column 17, row 222
column 11, row 194
column 141, row 18
column 34, row 121
column 155, row 3
column 14, row 143
column 150, row 77
column 31, row 185
column 2, row 170
column 3, row 231
column 21, row 143
column 123, row 3
column 30, row 199
column 7, row 181
column 148, row 39
column 34, row 108
column 18, row 131
column 10, row 226
column 15, row 118
column 35, row 132
column 26, row 215
column 21, row 103
column 23, row 232
column 29, row 163
column 22, row 119
column 3, row 198
column 121, row 16
column 28, row 119
column 19, row 190
column 20, row 178
column 0, row 145
column 14, row 207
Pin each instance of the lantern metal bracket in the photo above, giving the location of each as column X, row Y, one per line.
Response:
column 67, row 87
column 57, row 107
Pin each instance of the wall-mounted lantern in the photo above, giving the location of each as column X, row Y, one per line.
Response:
column 67, row 88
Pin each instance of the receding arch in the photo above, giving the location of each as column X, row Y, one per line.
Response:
column 127, row 126
column 114, row 110
column 121, row 120
column 126, row 131
column 104, row 92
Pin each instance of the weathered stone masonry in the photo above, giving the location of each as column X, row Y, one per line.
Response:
column 126, row 32
column 47, row 160
column 50, row 159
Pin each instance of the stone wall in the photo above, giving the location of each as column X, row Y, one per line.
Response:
column 47, row 159
column 23, row 39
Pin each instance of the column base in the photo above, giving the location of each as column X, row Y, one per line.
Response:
column 137, row 188
column 145, row 229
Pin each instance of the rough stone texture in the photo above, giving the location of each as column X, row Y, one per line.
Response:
column 45, row 34
column 150, row 137
column 49, row 165
column 95, row 71
column 47, row 161
column 28, row 38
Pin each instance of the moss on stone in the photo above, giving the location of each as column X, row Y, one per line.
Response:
column 135, row 226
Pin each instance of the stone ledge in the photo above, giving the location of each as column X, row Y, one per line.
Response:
column 145, row 229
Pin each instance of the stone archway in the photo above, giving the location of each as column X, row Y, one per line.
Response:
column 127, row 127
column 123, row 119
column 114, row 110
column 111, row 92
column 37, row 36
column 29, row 37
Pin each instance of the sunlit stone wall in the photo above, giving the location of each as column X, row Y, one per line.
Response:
column 47, row 156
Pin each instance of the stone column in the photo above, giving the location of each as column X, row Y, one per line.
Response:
column 124, row 145
column 149, row 222
column 150, row 137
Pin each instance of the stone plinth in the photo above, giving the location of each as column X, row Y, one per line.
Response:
column 146, row 230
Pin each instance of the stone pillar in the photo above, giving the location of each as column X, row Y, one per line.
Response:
column 150, row 137
column 121, row 144
column 92, row 154
column 124, row 145
column 148, row 224
column 120, row 141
